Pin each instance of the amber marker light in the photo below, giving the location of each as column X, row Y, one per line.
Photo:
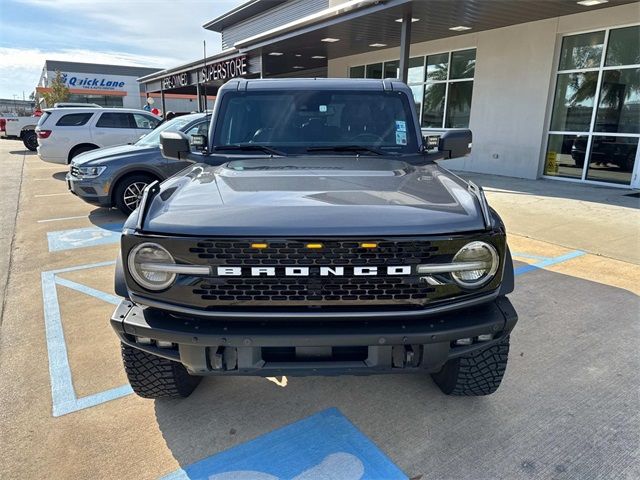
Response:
column 369, row 245
column 259, row 245
column 314, row 245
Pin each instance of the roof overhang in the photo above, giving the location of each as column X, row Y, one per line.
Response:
column 363, row 24
column 242, row 12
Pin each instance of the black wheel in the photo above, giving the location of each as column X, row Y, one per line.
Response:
column 478, row 373
column 129, row 191
column 30, row 140
column 156, row 377
column 77, row 151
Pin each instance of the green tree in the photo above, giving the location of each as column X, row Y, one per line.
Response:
column 59, row 91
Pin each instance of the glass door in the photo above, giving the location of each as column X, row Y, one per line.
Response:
column 595, row 121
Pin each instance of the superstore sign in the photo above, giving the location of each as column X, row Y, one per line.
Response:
column 226, row 69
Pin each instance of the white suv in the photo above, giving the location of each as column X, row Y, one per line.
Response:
column 64, row 133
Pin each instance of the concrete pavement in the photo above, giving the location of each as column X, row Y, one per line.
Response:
column 599, row 220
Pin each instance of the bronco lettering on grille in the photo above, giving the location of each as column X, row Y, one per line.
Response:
column 312, row 271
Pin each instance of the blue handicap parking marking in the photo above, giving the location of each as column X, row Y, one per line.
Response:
column 63, row 394
column 84, row 237
column 544, row 261
column 324, row 445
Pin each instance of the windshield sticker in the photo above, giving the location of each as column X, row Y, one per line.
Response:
column 401, row 138
column 323, row 108
column 401, row 126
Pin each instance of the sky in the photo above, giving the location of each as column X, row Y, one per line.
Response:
column 150, row 33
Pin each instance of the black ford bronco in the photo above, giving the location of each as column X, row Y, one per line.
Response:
column 314, row 235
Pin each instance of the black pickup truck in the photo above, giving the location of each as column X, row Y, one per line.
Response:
column 314, row 235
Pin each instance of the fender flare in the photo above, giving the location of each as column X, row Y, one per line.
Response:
column 120, row 284
column 508, row 275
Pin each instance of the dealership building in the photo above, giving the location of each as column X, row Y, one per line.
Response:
column 550, row 88
column 108, row 86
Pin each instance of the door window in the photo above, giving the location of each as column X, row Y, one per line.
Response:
column 115, row 120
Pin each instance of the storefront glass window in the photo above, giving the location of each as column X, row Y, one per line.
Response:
column 565, row 155
column 573, row 105
column 612, row 159
column 581, row 51
column 598, row 145
column 374, row 70
column 356, row 72
column 624, row 47
column 619, row 107
column 416, row 70
column 417, row 91
column 437, row 67
column 433, row 105
column 442, row 85
column 391, row 69
column 463, row 64
column 459, row 104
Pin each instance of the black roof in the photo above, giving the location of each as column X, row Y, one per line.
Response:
column 313, row 84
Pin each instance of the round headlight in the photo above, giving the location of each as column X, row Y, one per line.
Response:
column 481, row 264
column 145, row 265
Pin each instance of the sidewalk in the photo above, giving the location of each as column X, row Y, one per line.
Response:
column 10, row 181
column 600, row 220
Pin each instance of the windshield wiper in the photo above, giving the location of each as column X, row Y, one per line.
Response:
column 346, row 148
column 250, row 147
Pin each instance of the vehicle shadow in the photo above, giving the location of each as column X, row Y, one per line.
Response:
column 573, row 357
column 556, row 189
column 26, row 152
column 60, row 176
column 102, row 216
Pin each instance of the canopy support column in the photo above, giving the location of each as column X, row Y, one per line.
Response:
column 405, row 44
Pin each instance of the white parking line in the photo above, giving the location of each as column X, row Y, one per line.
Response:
column 51, row 194
column 59, row 219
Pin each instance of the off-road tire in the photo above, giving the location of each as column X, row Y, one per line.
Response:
column 30, row 140
column 475, row 374
column 156, row 377
column 126, row 183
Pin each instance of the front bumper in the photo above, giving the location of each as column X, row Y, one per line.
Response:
column 272, row 347
column 89, row 190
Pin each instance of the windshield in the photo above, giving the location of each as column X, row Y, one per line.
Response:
column 317, row 121
column 152, row 139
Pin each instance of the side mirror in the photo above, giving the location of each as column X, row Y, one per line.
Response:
column 199, row 142
column 174, row 145
column 455, row 143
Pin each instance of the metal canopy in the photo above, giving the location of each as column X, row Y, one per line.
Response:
column 379, row 25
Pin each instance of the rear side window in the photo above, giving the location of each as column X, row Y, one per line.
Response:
column 74, row 119
column 43, row 118
column 115, row 120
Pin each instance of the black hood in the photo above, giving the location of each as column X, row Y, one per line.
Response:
column 314, row 196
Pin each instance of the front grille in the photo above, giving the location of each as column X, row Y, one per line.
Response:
column 313, row 289
column 333, row 253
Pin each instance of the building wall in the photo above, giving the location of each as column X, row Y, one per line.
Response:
column 513, row 85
